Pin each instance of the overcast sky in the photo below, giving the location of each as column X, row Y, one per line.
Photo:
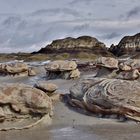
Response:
column 28, row 25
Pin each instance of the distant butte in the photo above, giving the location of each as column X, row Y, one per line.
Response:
column 127, row 46
column 76, row 45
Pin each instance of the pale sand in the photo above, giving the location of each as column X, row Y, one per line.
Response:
column 68, row 124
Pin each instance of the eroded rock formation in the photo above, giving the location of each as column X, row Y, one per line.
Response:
column 128, row 45
column 49, row 89
column 107, row 96
column 16, row 69
column 107, row 62
column 74, row 45
column 107, row 67
column 112, row 68
column 20, row 101
column 62, row 69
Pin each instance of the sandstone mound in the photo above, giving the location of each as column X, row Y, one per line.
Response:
column 16, row 68
column 107, row 67
column 46, row 87
column 130, row 65
column 107, row 62
column 108, row 96
column 62, row 69
column 112, row 68
column 49, row 89
column 129, row 70
column 19, row 102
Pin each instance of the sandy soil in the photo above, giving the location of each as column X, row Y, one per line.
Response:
column 72, row 124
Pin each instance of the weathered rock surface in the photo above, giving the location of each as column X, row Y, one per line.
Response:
column 130, row 65
column 107, row 67
column 129, row 70
column 20, row 101
column 61, row 65
column 62, row 69
column 16, row 68
column 50, row 89
column 74, row 45
column 31, row 72
column 108, row 96
column 128, row 75
column 46, row 87
column 107, row 62
column 128, row 45
column 113, row 68
column 86, row 65
column 75, row 74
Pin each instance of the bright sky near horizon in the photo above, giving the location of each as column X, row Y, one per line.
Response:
column 28, row 25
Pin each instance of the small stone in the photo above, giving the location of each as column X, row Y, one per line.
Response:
column 46, row 87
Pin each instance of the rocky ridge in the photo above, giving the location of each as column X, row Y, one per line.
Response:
column 128, row 45
column 75, row 45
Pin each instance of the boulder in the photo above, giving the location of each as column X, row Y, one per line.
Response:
column 46, row 87
column 130, row 64
column 107, row 97
column 50, row 89
column 124, row 67
column 61, row 66
column 107, row 67
column 128, row 75
column 16, row 68
column 75, row 74
column 31, row 72
column 62, row 69
column 108, row 62
column 20, row 101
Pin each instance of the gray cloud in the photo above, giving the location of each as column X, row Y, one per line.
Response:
column 87, row 2
column 28, row 26
column 54, row 11
column 133, row 12
column 111, row 35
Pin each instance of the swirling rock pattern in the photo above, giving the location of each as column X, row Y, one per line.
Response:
column 108, row 96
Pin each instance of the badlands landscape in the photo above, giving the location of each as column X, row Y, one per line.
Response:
column 73, row 88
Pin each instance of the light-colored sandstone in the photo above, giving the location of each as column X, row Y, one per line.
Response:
column 20, row 101
column 62, row 69
column 107, row 62
column 75, row 74
column 46, row 87
column 61, row 66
